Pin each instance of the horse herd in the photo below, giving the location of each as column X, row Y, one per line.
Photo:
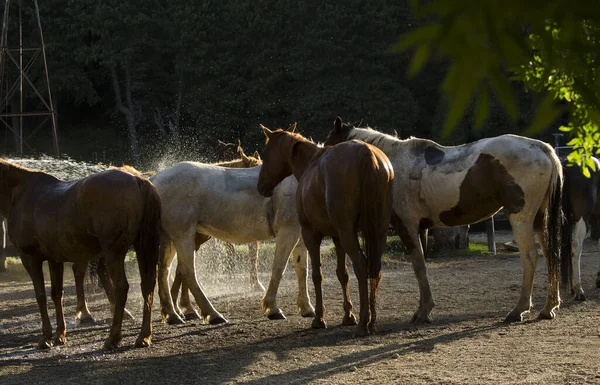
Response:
column 359, row 181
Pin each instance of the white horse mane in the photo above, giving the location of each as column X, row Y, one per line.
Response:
column 382, row 140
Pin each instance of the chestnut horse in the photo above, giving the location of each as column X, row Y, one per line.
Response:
column 581, row 204
column 440, row 186
column 341, row 190
column 103, row 214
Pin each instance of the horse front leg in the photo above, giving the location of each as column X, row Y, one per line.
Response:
column 412, row 241
column 343, row 277
column 312, row 241
column 82, row 313
column 285, row 240
column 598, row 269
column 300, row 258
column 578, row 237
column 56, row 278
column 34, row 268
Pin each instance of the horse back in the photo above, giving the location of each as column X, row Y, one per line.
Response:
column 73, row 221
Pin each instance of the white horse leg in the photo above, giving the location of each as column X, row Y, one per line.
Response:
column 578, row 237
column 253, row 256
column 523, row 233
column 285, row 240
column 167, row 254
column 186, row 259
column 300, row 257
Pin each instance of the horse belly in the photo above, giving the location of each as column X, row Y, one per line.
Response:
column 238, row 232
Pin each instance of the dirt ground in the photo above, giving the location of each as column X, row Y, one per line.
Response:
column 467, row 342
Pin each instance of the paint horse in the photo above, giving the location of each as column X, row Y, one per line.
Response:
column 341, row 190
column 56, row 221
column 201, row 201
column 581, row 204
column 438, row 186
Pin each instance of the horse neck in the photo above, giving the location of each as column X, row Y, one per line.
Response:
column 11, row 176
column 299, row 156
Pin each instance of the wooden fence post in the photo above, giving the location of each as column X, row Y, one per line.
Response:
column 489, row 225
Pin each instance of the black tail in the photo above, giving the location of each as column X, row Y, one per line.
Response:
column 566, row 238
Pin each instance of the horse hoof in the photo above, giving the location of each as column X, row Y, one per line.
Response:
column 514, row 317
column 217, row 320
column 44, row 344
column 361, row 331
column 545, row 315
column 580, row 296
column 143, row 342
column 174, row 319
column 191, row 316
column 349, row 320
column 419, row 318
column 87, row 320
column 276, row 316
column 318, row 324
column 60, row 340
column 111, row 343
column 309, row 314
column 372, row 328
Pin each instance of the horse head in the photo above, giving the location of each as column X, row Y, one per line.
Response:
column 339, row 133
column 275, row 167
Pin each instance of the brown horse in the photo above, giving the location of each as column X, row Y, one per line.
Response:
column 56, row 221
column 341, row 190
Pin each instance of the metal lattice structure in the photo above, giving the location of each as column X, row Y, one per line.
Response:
column 16, row 56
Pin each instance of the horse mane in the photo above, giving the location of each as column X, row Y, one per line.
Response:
column 237, row 163
column 384, row 141
column 133, row 171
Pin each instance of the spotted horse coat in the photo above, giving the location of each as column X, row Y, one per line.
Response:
column 438, row 186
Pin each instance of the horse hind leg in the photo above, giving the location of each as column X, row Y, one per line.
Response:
column 189, row 312
column 253, row 256
column 115, row 262
column 82, row 313
column 349, row 242
column 598, row 269
column 186, row 259
column 147, row 258
column 523, row 233
column 578, row 238
column 108, row 287
column 312, row 241
column 56, row 277
column 165, row 260
column 342, row 274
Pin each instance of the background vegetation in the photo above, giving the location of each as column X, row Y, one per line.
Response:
column 145, row 80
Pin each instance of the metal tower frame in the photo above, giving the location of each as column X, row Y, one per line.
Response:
column 17, row 86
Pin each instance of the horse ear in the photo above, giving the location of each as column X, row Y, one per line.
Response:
column 239, row 148
column 337, row 124
column 256, row 155
column 292, row 128
column 266, row 131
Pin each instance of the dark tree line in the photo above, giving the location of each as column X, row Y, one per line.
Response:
column 145, row 79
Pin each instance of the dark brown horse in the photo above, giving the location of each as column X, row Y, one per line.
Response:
column 56, row 221
column 341, row 190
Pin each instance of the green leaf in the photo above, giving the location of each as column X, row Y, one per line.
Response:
column 546, row 113
column 586, row 171
column 482, row 110
column 418, row 60
column 589, row 161
column 424, row 34
column 566, row 128
column 504, row 91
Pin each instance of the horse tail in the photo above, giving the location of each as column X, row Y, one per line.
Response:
column 148, row 241
column 555, row 225
column 567, row 235
column 375, row 207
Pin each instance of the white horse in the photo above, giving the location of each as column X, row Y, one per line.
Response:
column 200, row 201
column 438, row 186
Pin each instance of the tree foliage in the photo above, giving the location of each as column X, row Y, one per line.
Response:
column 549, row 46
